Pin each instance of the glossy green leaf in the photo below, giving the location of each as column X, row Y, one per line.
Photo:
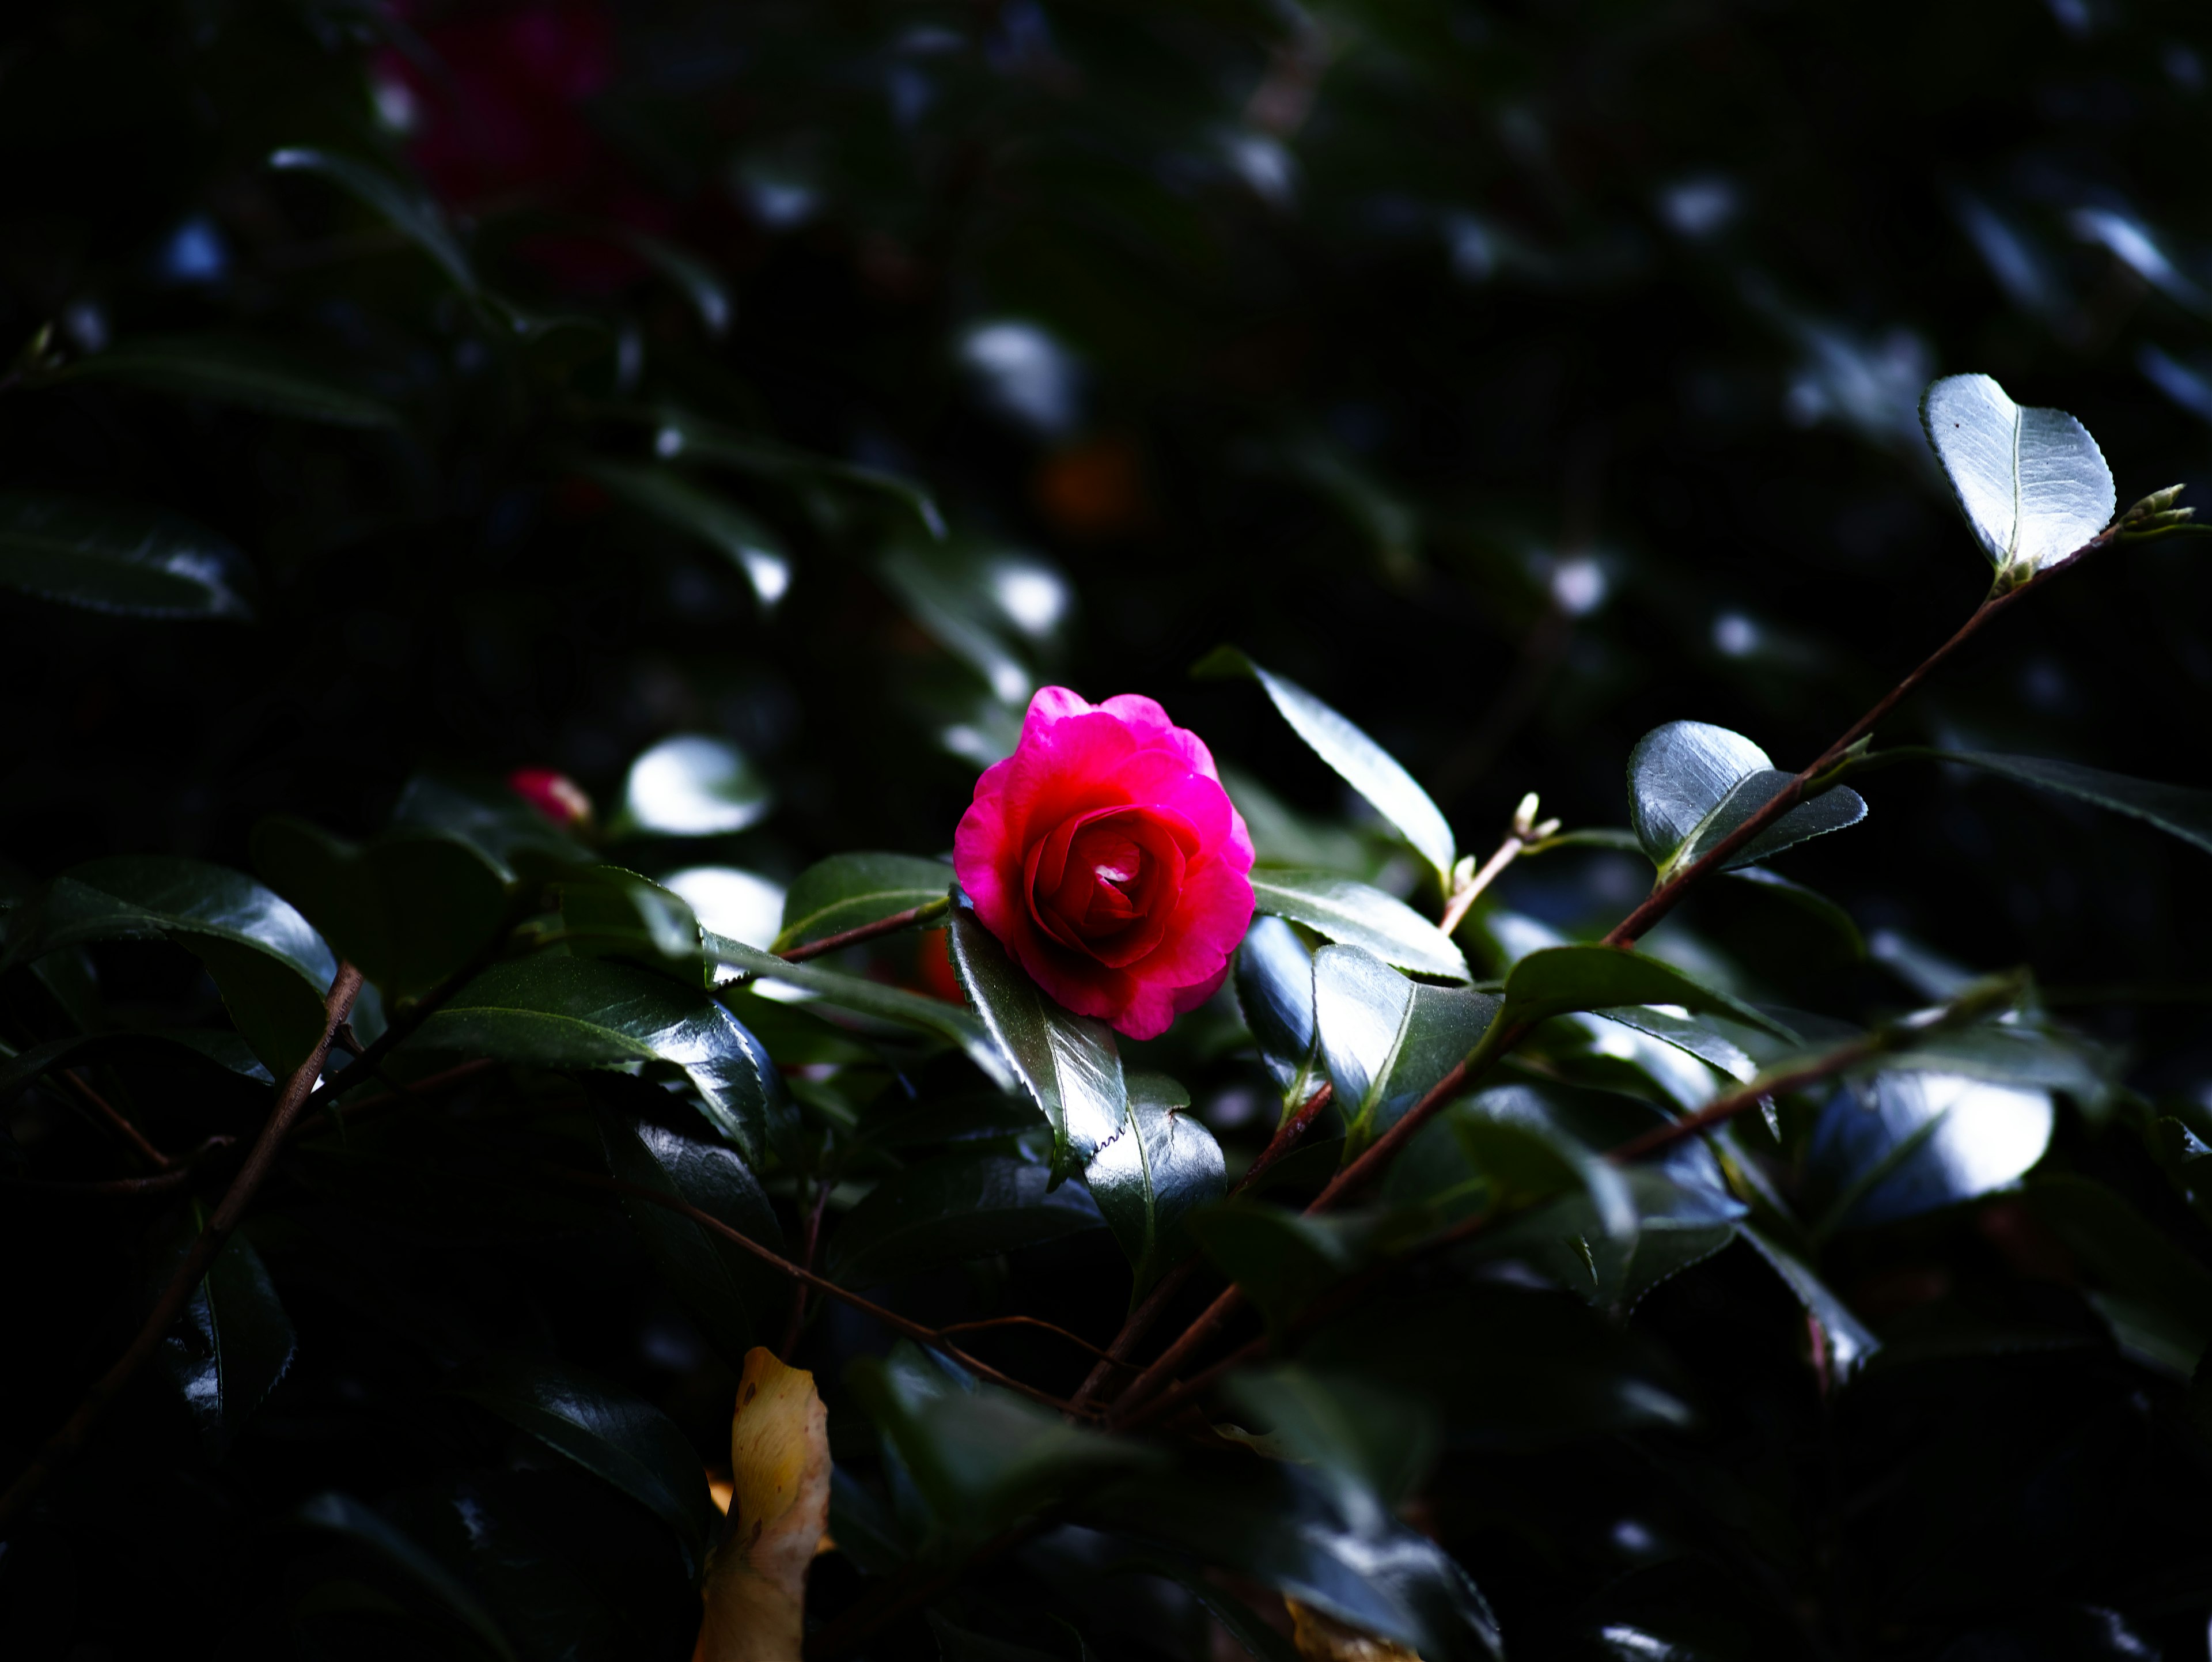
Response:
column 234, row 1342
column 2178, row 810
column 848, row 890
column 342, row 1515
column 1148, row 1178
column 668, row 496
column 408, row 912
column 490, row 818
column 1689, row 1037
column 1363, row 764
column 2032, row 483
column 1067, row 1063
column 607, row 912
column 1691, row 784
column 413, row 215
column 1556, row 980
column 614, row 1436
column 691, row 786
column 1387, row 1040
column 872, row 998
column 736, row 1299
column 552, row 1011
column 1350, row 911
column 1273, row 979
column 251, row 374
column 1851, row 1343
column 273, row 969
column 1514, row 1142
column 117, row 556
column 1912, row 1141
column 956, row 1206
column 1281, row 1260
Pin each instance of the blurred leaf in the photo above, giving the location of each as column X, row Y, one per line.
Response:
column 1387, row 1040
column 1274, row 981
column 682, row 434
column 343, row 1515
column 609, row 912
column 253, row 375
column 1364, row 765
column 232, row 1344
column 2177, row 810
column 1512, row 1140
column 114, row 557
column 2156, row 1296
column 556, row 1012
column 273, row 969
column 1281, row 1260
column 780, row 1487
column 1812, row 904
column 2032, row 483
column 949, row 596
column 694, row 276
column 732, row 1294
column 490, row 818
column 414, row 215
column 1147, row 1179
column 1237, row 1618
column 1068, row 1063
column 1691, row 784
column 407, row 911
column 1373, row 1446
column 956, row 1206
column 615, row 1437
column 691, row 786
column 848, row 890
column 1557, row 980
column 1912, row 1142
column 667, row 495
column 1350, row 911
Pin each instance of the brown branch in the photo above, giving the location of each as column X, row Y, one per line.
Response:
column 291, row 1098
column 814, row 1214
column 179, row 1174
column 853, row 937
column 1076, row 1339
column 116, row 1122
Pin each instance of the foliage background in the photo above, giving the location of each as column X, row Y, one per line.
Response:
column 1517, row 377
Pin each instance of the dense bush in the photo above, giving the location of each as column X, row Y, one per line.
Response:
column 520, row 528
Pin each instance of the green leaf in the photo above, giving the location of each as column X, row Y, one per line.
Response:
column 607, row 912
column 668, row 496
column 413, row 215
column 1851, row 1342
column 2155, row 1295
column 273, row 969
column 848, row 890
column 2177, row 810
column 1512, row 1140
column 1147, row 1180
column 2032, row 483
column 1691, row 784
column 556, row 1012
column 1387, row 1040
column 343, row 1515
column 1814, row 905
column 1350, row 911
column 232, row 1344
column 511, row 834
column 691, row 786
column 1912, row 1142
column 731, row 1293
column 687, row 435
column 115, row 556
column 957, row 1205
column 1363, row 764
column 1067, row 1063
column 871, row 998
column 948, row 590
column 1273, row 980
column 1691, row 1038
column 1557, row 980
column 1282, row 1261
column 617, row 1437
column 251, row 374
column 1372, row 1446
column 408, row 912
column 214, row 1049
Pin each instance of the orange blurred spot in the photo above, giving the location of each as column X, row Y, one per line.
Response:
column 1093, row 490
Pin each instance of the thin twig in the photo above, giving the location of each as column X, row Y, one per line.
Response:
column 813, row 1241
column 352, row 1113
column 1508, row 852
column 179, row 1174
column 853, row 937
column 116, row 1121
column 292, row 1097
column 1076, row 1339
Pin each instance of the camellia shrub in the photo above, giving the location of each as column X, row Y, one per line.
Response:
column 629, row 1072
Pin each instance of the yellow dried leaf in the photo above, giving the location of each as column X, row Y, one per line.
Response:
column 1324, row 1639
column 755, row 1590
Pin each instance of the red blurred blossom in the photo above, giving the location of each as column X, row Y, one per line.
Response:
column 554, row 794
column 1107, row 858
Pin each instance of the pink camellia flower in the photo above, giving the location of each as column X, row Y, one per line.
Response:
column 1106, row 857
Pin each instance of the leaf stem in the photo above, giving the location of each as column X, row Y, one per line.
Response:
column 292, row 1098
column 116, row 1120
column 882, row 926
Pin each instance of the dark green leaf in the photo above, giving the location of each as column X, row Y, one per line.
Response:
column 1690, row 784
column 615, row 1437
column 1069, row 1063
column 1275, row 993
column 691, row 786
column 1557, row 980
column 219, row 1049
column 251, row 374
column 407, row 911
column 490, row 818
column 1912, row 1141
column 609, row 912
column 688, row 436
column 1385, row 1039
column 1816, row 905
column 1282, row 1261
column 1147, row 1180
column 848, row 890
column 947, row 591
column 1373, row 1446
column 343, row 1515
column 1364, row 765
column 1691, row 1038
column 1351, row 912
column 115, row 556
column 733, row 1296
column 667, row 495
column 959, row 1205
column 233, row 1343
column 412, row 214
column 2156, row 1297
column 1850, row 1343
column 2177, row 810
column 558, row 1012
